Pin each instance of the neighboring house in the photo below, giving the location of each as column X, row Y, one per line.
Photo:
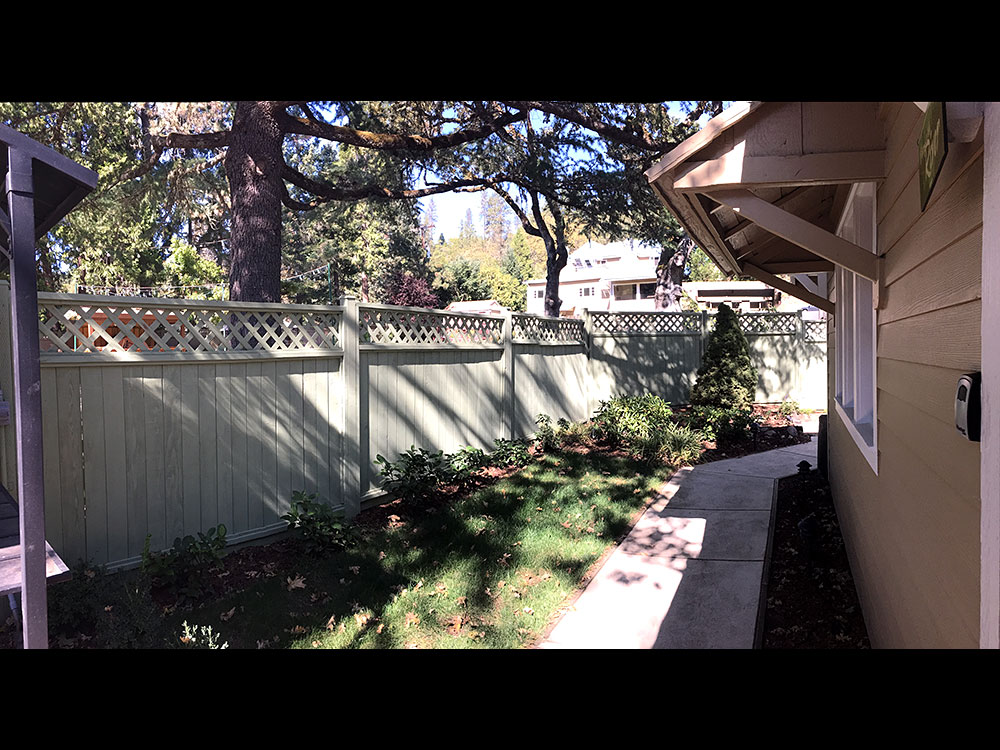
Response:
column 831, row 193
column 618, row 276
column 622, row 276
column 478, row 307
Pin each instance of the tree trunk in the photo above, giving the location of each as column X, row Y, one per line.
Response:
column 253, row 166
column 670, row 276
column 556, row 262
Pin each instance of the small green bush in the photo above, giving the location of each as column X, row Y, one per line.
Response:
column 416, row 473
column 467, row 461
column 727, row 377
column 625, row 420
column 545, row 435
column 572, row 433
column 181, row 569
column 788, row 408
column 682, row 445
column 322, row 528
column 510, row 453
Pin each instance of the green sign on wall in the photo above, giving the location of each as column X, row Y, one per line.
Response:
column 932, row 147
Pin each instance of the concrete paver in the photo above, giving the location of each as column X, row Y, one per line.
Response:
column 690, row 573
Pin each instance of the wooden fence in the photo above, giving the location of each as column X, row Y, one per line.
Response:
column 166, row 417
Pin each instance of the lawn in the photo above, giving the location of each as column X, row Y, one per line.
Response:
column 485, row 567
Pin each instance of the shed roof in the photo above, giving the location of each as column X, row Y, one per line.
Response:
column 762, row 186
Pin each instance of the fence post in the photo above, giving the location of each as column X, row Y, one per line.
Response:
column 509, row 399
column 350, row 340
column 588, row 326
column 704, row 336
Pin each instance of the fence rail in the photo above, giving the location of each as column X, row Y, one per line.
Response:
column 164, row 416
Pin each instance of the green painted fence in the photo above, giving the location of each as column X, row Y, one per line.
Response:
column 166, row 417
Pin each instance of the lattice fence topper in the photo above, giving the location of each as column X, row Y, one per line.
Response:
column 549, row 330
column 815, row 331
column 130, row 327
column 647, row 322
column 768, row 322
column 408, row 326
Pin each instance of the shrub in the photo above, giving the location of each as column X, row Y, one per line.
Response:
column 625, row 420
column 466, row 461
column 509, row 453
column 321, row 527
column 727, row 377
column 545, row 435
column 733, row 427
column 788, row 408
column 676, row 444
column 572, row 433
column 416, row 473
column 682, row 445
column 180, row 570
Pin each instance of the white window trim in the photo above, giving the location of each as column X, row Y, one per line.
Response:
column 848, row 386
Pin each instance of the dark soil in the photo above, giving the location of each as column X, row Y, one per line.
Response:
column 811, row 599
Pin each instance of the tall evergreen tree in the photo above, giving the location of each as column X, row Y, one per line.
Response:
column 727, row 378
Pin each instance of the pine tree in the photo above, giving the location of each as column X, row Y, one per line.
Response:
column 727, row 378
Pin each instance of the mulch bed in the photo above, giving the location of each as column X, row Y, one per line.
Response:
column 811, row 598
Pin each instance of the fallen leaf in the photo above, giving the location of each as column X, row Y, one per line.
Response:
column 315, row 644
column 298, row 630
column 412, row 619
column 355, row 569
column 227, row 616
column 296, row 583
column 331, row 622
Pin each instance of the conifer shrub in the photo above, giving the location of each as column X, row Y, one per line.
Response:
column 727, row 378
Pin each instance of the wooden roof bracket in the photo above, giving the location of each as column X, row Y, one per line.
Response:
column 799, row 232
column 796, row 290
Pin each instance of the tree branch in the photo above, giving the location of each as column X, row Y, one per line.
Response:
column 390, row 141
column 358, row 192
column 600, row 127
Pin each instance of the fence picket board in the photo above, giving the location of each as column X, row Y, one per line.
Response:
column 50, row 458
column 173, row 469
column 273, row 505
column 92, row 397
column 152, row 406
column 71, row 465
column 255, row 455
column 238, row 415
column 115, row 465
column 191, row 455
column 135, row 460
column 224, row 433
column 208, row 427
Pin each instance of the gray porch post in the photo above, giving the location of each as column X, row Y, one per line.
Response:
column 19, row 189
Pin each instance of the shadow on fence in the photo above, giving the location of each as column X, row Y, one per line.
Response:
column 173, row 441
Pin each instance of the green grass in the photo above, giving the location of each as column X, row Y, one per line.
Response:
column 486, row 570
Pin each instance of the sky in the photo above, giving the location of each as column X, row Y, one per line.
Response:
column 451, row 207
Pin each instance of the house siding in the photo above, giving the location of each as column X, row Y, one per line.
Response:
column 912, row 530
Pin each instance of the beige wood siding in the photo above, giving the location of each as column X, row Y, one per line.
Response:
column 912, row 530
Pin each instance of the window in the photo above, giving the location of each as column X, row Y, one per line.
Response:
column 586, row 291
column 856, row 329
column 647, row 291
column 624, row 291
column 539, row 293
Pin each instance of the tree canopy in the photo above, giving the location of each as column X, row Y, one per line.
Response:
column 235, row 179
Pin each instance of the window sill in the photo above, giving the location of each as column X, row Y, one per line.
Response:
column 868, row 450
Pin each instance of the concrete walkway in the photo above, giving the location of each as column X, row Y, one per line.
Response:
column 690, row 574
